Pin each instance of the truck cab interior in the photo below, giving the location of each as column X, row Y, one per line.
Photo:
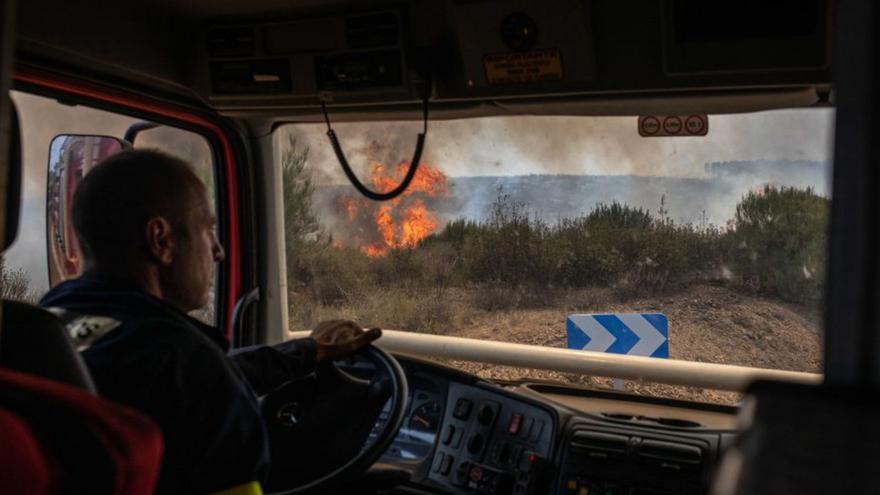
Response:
column 515, row 191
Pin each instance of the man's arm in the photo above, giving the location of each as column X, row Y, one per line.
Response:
column 215, row 436
column 268, row 367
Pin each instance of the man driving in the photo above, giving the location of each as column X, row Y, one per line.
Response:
column 147, row 232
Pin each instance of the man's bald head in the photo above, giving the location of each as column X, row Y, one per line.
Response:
column 117, row 197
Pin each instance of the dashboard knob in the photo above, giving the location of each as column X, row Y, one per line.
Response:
column 475, row 444
column 486, row 414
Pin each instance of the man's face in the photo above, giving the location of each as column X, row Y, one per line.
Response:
column 189, row 278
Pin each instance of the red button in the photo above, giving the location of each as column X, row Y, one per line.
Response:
column 476, row 474
column 515, row 423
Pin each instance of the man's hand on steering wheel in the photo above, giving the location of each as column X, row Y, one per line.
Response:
column 341, row 338
column 334, row 414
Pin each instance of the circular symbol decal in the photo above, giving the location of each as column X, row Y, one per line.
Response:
column 672, row 125
column 290, row 414
column 650, row 126
column 695, row 124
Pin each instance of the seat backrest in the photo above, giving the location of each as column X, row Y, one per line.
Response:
column 25, row 466
column 804, row 439
column 34, row 341
column 100, row 446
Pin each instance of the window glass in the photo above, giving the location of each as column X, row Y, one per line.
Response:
column 58, row 149
column 514, row 224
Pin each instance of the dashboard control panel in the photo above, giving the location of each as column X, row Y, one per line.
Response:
column 491, row 443
column 464, row 436
column 615, row 460
column 421, row 426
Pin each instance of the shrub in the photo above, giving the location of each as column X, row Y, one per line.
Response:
column 15, row 284
column 780, row 237
column 400, row 267
column 400, row 309
column 775, row 244
column 335, row 275
column 440, row 265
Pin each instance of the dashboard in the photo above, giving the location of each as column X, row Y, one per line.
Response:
column 463, row 435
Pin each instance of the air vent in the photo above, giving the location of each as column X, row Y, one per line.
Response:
column 676, row 422
column 372, row 31
column 670, row 455
column 598, row 444
column 231, row 42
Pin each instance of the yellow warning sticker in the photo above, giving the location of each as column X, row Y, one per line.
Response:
column 523, row 67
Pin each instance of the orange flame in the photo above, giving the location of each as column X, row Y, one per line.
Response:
column 385, row 224
column 374, row 250
column 404, row 221
column 351, row 208
column 428, row 180
column 418, row 223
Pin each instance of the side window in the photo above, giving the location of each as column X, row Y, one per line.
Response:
column 188, row 146
column 60, row 144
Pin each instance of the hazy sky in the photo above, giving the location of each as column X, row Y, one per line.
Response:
column 489, row 146
column 574, row 145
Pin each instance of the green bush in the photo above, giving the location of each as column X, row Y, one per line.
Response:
column 400, row 267
column 337, row 275
column 780, row 237
column 775, row 245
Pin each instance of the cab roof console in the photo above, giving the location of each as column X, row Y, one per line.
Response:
column 508, row 51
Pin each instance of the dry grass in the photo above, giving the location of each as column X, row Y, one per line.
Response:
column 708, row 323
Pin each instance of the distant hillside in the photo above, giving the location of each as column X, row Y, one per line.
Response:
column 710, row 199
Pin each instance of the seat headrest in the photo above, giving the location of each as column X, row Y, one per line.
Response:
column 36, row 342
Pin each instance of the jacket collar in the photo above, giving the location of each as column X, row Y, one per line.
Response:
column 92, row 293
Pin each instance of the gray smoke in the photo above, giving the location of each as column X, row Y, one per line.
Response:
column 564, row 166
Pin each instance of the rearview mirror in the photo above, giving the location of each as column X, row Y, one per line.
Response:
column 70, row 159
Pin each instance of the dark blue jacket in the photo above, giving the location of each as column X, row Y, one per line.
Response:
column 176, row 370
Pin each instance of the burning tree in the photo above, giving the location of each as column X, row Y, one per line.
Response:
column 377, row 228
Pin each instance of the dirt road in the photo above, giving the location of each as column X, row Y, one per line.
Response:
column 706, row 323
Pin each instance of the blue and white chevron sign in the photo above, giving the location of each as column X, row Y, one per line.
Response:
column 621, row 333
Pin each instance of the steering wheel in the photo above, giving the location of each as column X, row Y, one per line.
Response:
column 325, row 420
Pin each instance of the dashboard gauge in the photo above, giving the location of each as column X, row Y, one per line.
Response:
column 424, row 421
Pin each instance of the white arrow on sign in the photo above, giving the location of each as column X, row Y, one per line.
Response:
column 649, row 338
column 600, row 338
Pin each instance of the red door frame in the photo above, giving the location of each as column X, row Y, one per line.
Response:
column 226, row 155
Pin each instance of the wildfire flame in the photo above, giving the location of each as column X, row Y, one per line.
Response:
column 350, row 208
column 400, row 223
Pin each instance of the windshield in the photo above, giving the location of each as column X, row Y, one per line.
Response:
column 565, row 231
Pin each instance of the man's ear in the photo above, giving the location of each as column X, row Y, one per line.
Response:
column 160, row 239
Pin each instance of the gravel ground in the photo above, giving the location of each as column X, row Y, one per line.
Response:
column 706, row 323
